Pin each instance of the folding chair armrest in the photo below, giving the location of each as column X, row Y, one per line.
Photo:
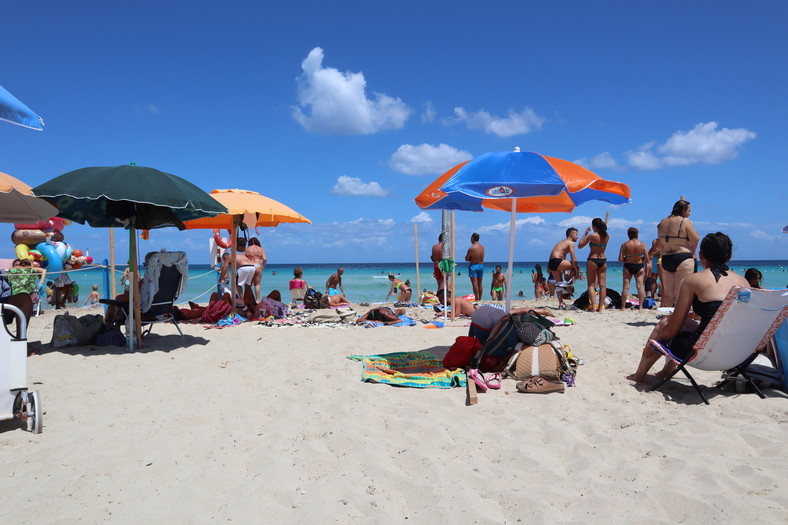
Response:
column 113, row 302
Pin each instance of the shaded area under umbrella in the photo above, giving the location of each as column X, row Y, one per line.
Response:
column 18, row 204
column 518, row 181
column 14, row 111
column 250, row 208
column 132, row 197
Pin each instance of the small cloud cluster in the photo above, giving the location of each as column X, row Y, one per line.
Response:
column 336, row 103
column 426, row 159
column 602, row 161
column 513, row 124
column 703, row 144
column 422, row 218
column 354, row 187
column 504, row 226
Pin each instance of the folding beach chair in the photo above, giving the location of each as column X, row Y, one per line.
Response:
column 736, row 332
column 297, row 294
column 164, row 279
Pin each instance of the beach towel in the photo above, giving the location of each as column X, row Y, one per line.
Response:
column 413, row 369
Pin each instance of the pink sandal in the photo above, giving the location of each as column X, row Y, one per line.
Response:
column 494, row 381
column 478, row 378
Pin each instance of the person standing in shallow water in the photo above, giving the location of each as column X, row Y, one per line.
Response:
column 475, row 258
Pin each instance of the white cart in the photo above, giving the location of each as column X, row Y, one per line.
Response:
column 15, row 400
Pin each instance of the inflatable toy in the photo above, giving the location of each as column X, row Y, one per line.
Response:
column 22, row 251
column 53, row 224
column 54, row 265
column 33, row 237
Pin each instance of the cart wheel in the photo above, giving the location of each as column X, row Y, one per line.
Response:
column 35, row 415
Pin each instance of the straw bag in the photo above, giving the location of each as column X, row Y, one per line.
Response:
column 547, row 360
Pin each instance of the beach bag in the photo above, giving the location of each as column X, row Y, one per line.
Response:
column 215, row 311
column 271, row 307
column 548, row 361
column 312, row 299
column 461, row 352
column 483, row 320
column 63, row 331
column 346, row 314
column 649, row 303
column 499, row 346
column 111, row 336
column 533, row 329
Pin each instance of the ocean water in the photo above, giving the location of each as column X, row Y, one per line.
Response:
column 369, row 282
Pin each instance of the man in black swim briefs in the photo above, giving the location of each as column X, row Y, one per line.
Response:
column 557, row 263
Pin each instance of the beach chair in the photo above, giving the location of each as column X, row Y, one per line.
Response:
column 736, row 332
column 164, row 279
column 16, row 402
column 297, row 294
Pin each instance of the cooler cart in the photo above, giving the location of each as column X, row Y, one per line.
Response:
column 15, row 400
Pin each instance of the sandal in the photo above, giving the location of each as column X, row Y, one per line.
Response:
column 494, row 381
column 477, row 378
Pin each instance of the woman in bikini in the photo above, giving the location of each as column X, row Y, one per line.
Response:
column 704, row 292
column 677, row 243
column 633, row 253
column 540, row 284
column 597, row 261
column 400, row 288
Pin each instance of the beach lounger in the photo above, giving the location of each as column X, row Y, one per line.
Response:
column 164, row 279
column 736, row 332
column 297, row 295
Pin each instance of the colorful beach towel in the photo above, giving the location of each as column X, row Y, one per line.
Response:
column 413, row 369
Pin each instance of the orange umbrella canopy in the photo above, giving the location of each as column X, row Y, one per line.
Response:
column 17, row 203
column 240, row 202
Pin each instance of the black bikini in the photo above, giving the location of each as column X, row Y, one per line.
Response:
column 634, row 268
column 599, row 262
column 671, row 261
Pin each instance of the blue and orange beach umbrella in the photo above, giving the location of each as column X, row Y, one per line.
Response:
column 516, row 181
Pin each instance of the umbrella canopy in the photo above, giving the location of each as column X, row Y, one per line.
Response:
column 518, row 181
column 129, row 196
column 17, row 203
column 110, row 196
column 241, row 202
column 540, row 184
column 13, row 111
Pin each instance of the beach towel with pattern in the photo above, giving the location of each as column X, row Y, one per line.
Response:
column 413, row 369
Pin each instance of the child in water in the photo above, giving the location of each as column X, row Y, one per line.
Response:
column 93, row 298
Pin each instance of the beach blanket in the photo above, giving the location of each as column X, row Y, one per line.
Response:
column 413, row 369
column 404, row 320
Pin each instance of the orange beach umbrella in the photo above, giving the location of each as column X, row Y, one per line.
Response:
column 17, row 203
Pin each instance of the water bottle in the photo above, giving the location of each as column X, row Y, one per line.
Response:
column 744, row 295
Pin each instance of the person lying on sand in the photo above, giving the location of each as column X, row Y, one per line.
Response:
column 383, row 314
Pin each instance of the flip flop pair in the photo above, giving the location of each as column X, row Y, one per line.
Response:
column 493, row 381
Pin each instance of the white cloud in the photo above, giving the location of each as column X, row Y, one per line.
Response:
column 513, row 124
column 153, row 109
column 426, row 159
column 703, row 144
column 422, row 218
column 336, row 103
column 536, row 241
column 428, row 115
column 602, row 161
column 353, row 187
column 504, row 226
column 762, row 235
column 622, row 224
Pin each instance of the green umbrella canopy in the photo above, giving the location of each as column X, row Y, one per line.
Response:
column 106, row 197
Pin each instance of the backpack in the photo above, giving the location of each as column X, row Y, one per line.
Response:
column 312, row 299
column 461, row 352
column 533, row 329
column 499, row 346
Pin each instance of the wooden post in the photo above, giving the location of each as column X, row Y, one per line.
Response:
column 418, row 282
column 112, row 262
column 454, row 272
column 233, row 263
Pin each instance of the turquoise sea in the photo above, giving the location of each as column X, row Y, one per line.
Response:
column 369, row 282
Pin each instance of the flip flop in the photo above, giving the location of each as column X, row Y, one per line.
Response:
column 478, row 378
column 494, row 381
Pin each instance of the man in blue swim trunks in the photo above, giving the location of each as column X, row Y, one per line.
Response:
column 334, row 283
column 475, row 258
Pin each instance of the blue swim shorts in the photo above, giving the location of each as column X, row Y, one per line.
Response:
column 333, row 291
column 476, row 270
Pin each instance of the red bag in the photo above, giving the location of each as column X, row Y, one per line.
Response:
column 215, row 311
column 461, row 352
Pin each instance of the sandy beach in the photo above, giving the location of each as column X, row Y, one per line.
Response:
column 259, row 424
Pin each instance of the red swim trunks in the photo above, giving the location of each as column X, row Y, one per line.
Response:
column 437, row 273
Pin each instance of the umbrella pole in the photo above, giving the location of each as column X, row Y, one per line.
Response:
column 512, row 224
column 112, row 261
column 233, row 264
column 418, row 282
column 454, row 276
column 133, row 288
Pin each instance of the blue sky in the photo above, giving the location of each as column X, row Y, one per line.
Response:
column 346, row 111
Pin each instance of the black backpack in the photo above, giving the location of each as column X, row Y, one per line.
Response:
column 312, row 299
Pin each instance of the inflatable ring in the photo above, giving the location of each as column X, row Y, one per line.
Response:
column 54, row 265
column 218, row 238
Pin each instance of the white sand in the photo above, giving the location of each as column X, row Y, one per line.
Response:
column 254, row 424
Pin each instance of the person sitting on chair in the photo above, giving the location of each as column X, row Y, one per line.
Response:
column 704, row 292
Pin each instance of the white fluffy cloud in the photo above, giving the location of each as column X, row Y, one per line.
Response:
column 422, row 218
column 504, row 226
column 428, row 115
column 336, row 103
column 602, row 161
column 353, row 187
column 513, row 124
column 703, row 144
column 426, row 159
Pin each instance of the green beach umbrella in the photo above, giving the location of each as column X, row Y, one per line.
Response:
column 131, row 197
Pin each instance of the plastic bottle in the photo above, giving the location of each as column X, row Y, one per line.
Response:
column 743, row 296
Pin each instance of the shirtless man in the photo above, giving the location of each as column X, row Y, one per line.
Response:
column 558, row 263
column 334, row 283
column 245, row 269
column 498, row 284
column 475, row 258
column 437, row 255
